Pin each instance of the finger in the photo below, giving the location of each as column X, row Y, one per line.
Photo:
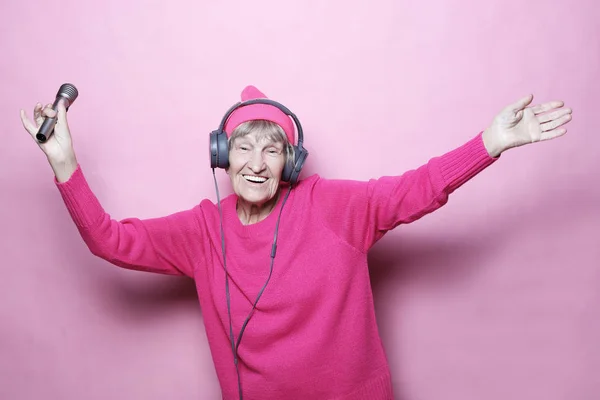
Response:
column 519, row 115
column 48, row 112
column 554, row 133
column 27, row 124
column 548, row 126
column 521, row 103
column 37, row 114
column 542, row 108
column 553, row 115
column 62, row 114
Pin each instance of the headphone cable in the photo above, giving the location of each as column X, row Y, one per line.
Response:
column 234, row 345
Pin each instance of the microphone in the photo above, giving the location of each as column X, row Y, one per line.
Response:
column 67, row 93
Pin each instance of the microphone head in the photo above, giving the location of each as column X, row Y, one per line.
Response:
column 68, row 91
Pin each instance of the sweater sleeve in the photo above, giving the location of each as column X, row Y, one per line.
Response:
column 360, row 213
column 161, row 245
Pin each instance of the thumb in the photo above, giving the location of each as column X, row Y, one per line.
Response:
column 521, row 103
column 62, row 114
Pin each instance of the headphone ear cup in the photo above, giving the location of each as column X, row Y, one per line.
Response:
column 292, row 169
column 219, row 150
column 213, row 149
column 223, row 151
column 287, row 169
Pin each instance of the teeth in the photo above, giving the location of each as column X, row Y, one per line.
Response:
column 257, row 179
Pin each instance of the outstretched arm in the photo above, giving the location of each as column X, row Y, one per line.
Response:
column 362, row 212
column 162, row 245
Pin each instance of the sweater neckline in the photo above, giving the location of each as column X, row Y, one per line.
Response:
column 265, row 225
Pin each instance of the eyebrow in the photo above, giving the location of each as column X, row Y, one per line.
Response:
column 266, row 138
column 269, row 143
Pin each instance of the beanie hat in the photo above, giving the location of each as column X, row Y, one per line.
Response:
column 259, row 111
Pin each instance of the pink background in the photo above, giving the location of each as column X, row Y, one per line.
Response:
column 495, row 296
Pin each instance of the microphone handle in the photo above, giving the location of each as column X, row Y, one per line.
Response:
column 47, row 127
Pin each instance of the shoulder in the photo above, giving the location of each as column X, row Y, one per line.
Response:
column 317, row 180
column 318, row 189
column 210, row 206
column 209, row 212
column 308, row 182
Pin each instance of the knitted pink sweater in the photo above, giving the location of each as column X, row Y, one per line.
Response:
column 314, row 333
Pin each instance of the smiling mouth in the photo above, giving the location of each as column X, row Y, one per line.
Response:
column 255, row 179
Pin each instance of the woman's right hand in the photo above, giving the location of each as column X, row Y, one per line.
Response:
column 59, row 146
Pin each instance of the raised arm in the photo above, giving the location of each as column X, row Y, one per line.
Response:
column 162, row 245
column 362, row 212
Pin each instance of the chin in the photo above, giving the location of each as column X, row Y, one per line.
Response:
column 256, row 198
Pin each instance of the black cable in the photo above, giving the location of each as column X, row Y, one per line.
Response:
column 235, row 346
column 225, row 266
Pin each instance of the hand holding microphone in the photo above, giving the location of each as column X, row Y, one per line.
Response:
column 50, row 130
column 67, row 94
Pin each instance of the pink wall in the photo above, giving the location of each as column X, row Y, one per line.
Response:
column 496, row 296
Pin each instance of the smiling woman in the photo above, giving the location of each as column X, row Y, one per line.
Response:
column 314, row 334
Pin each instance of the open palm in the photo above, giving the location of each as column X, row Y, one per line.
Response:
column 519, row 124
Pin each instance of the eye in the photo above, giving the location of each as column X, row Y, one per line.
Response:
column 273, row 152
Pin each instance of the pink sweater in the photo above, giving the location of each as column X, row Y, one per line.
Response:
column 314, row 333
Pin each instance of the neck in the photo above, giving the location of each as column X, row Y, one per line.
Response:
column 249, row 213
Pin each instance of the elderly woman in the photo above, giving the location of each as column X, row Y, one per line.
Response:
column 298, row 246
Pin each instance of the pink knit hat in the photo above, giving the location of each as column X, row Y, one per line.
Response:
column 259, row 111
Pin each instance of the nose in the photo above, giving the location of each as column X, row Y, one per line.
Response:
column 257, row 162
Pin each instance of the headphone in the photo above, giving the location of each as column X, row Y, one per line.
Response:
column 219, row 148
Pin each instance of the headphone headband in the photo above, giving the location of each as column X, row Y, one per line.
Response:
column 270, row 102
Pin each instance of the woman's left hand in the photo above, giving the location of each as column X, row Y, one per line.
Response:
column 518, row 124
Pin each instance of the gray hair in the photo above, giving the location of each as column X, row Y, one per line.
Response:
column 264, row 130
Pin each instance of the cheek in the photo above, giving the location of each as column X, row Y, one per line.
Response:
column 277, row 167
column 235, row 163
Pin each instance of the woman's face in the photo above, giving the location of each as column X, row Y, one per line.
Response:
column 255, row 167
